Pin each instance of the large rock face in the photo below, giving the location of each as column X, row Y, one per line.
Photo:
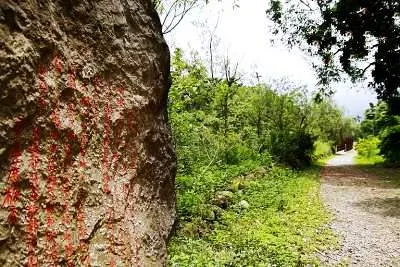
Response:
column 86, row 162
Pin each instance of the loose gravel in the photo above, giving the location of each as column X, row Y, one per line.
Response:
column 367, row 215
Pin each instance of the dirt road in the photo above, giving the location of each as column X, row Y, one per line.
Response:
column 367, row 215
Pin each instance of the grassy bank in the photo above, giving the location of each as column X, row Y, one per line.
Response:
column 365, row 161
column 376, row 165
column 250, row 216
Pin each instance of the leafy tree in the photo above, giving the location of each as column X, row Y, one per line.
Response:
column 390, row 146
column 352, row 36
column 218, row 121
column 376, row 119
column 190, row 113
column 380, row 123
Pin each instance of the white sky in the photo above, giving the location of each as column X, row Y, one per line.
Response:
column 244, row 35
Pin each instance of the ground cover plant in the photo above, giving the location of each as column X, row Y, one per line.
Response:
column 273, row 216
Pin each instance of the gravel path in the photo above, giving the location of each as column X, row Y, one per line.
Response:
column 367, row 215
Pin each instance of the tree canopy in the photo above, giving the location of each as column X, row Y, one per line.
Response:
column 222, row 120
column 357, row 37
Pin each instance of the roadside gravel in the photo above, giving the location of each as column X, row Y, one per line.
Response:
column 367, row 215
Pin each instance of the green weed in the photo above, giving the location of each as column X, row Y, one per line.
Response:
column 284, row 224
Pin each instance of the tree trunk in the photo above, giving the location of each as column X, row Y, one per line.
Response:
column 86, row 162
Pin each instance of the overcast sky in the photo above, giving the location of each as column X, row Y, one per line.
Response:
column 244, row 35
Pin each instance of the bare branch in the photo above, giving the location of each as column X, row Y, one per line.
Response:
column 307, row 4
column 171, row 8
column 366, row 68
column 174, row 13
column 211, row 48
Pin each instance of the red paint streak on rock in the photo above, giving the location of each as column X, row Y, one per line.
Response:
column 42, row 87
column 11, row 195
column 51, row 169
column 71, row 112
column 51, row 244
column 67, row 222
column 66, row 188
column 57, row 64
column 131, row 150
column 51, row 249
column 86, row 102
column 71, row 78
column 80, row 214
column 32, row 208
column 55, row 119
column 106, row 148
column 82, row 233
column 121, row 100
column 98, row 90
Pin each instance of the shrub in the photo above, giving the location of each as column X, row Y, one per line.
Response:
column 390, row 145
column 297, row 153
column 368, row 147
column 322, row 149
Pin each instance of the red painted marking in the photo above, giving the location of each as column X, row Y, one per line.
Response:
column 57, row 63
column 51, row 243
column 85, row 101
column 51, row 169
column 98, row 83
column 13, row 176
column 51, row 252
column 71, row 78
column 98, row 89
column 42, row 71
column 82, row 233
column 84, row 140
column 121, row 99
column 71, row 111
column 32, row 209
column 55, row 119
column 32, row 261
column 66, row 188
column 11, row 195
column 12, row 216
column 106, row 147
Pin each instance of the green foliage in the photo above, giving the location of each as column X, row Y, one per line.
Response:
column 322, row 150
column 390, row 146
column 219, row 121
column 344, row 33
column 284, row 225
column 381, row 123
column 368, row 150
column 235, row 206
column 196, row 190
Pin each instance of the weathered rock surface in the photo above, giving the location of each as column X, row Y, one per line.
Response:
column 86, row 162
column 223, row 199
